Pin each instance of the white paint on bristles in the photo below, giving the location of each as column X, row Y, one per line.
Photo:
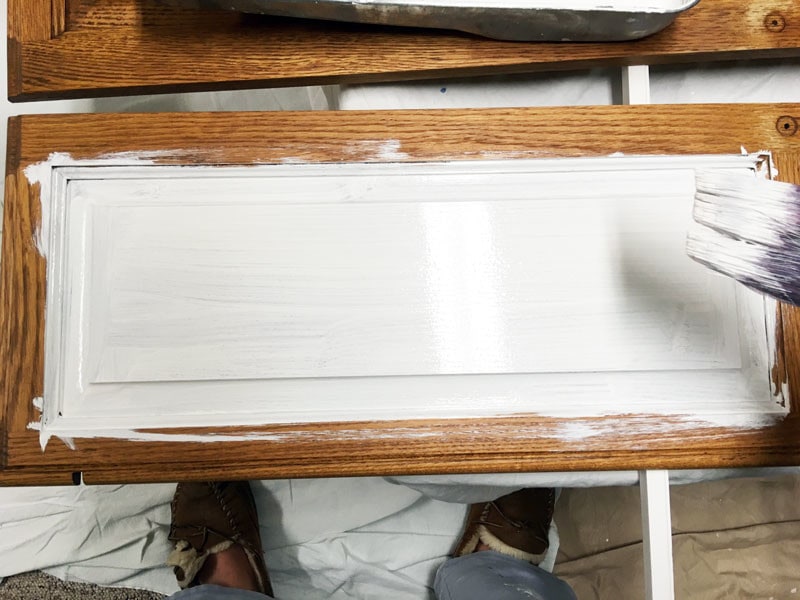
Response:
column 191, row 297
column 755, row 210
column 749, row 229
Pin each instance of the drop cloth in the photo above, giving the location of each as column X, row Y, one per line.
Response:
column 330, row 538
column 731, row 539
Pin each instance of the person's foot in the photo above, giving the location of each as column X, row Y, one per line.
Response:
column 215, row 530
column 229, row 568
column 517, row 524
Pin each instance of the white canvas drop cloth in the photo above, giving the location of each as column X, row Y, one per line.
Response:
column 344, row 539
column 330, row 538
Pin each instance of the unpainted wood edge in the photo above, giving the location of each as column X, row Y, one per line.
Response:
column 790, row 323
column 58, row 18
column 779, row 376
column 455, row 451
column 13, row 145
column 21, row 309
column 205, row 132
column 6, row 295
column 3, row 439
column 665, row 47
column 4, row 423
column 466, row 465
column 788, row 334
column 32, row 477
column 14, row 67
column 90, row 88
column 30, row 20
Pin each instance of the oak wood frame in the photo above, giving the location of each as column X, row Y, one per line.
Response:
column 109, row 47
column 510, row 444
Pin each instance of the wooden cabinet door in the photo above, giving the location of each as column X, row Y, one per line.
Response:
column 86, row 48
column 301, row 294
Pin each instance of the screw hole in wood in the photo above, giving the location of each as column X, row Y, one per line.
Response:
column 787, row 126
column 775, row 22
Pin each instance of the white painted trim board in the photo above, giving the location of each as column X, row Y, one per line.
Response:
column 659, row 575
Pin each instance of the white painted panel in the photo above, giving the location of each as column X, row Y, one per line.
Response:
column 719, row 396
column 307, row 293
column 345, row 277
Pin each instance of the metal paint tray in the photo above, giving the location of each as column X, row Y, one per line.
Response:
column 518, row 20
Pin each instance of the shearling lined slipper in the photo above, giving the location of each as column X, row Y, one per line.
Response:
column 516, row 524
column 208, row 518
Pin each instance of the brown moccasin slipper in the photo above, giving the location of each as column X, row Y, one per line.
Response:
column 208, row 518
column 516, row 524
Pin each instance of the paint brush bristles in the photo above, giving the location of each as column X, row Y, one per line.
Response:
column 749, row 229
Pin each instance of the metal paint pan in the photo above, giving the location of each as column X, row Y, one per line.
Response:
column 517, row 20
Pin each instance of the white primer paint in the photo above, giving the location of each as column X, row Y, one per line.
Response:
column 41, row 173
column 313, row 293
column 569, row 431
column 378, row 150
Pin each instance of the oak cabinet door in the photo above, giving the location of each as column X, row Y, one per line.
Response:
column 85, row 48
column 298, row 294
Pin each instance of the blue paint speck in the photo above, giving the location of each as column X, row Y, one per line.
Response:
column 443, row 90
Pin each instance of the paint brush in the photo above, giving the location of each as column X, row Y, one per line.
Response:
column 749, row 229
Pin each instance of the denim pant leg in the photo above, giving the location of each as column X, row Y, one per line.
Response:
column 216, row 592
column 489, row 574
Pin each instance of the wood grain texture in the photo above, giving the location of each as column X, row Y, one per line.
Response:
column 27, row 477
column 58, row 17
column 30, row 20
column 512, row 444
column 788, row 166
column 20, row 337
column 101, row 14
column 515, row 444
column 132, row 46
column 356, row 136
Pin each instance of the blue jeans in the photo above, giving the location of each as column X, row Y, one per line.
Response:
column 475, row 576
